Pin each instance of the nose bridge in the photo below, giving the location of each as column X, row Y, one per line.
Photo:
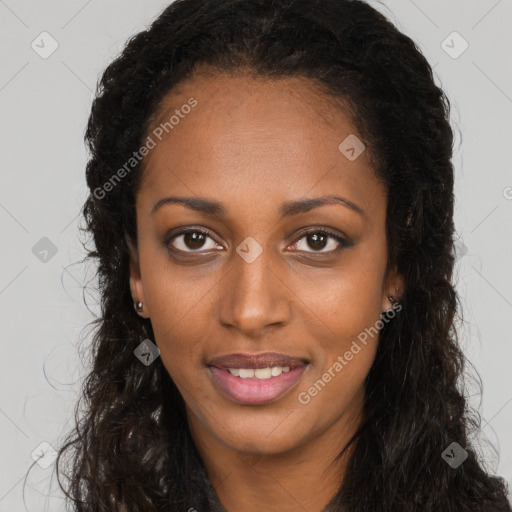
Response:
column 255, row 296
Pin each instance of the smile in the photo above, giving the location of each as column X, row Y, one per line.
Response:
column 250, row 386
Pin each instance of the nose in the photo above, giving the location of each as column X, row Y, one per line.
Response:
column 254, row 296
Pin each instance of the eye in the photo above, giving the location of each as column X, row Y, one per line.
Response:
column 319, row 239
column 191, row 238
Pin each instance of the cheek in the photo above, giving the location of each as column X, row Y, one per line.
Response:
column 178, row 318
column 181, row 348
column 347, row 336
column 347, row 347
column 346, row 306
column 178, row 300
column 343, row 377
column 345, row 352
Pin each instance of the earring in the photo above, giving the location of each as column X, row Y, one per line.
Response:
column 139, row 306
column 392, row 299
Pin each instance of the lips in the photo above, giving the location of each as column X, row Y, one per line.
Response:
column 255, row 361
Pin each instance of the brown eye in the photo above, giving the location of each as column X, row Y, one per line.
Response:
column 194, row 240
column 319, row 240
column 191, row 240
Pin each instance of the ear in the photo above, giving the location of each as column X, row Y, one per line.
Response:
column 394, row 285
column 136, row 286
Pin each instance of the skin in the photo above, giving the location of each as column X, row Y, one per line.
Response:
column 253, row 144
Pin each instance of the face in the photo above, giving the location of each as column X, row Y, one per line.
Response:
column 248, row 272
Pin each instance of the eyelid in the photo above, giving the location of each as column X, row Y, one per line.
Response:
column 169, row 238
column 342, row 239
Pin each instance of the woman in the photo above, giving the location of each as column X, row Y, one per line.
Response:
column 272, row 212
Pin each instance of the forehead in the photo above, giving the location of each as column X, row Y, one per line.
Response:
column 253, row 135
column 229, row 92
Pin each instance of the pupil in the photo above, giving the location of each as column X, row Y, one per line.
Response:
column 315, row 237
column 194, row 240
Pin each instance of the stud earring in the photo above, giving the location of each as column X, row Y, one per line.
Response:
column 139, row 306
column 392, row 299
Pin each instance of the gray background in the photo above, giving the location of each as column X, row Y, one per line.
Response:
column 44, row 106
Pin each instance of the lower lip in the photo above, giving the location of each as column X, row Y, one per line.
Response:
column 255, row 391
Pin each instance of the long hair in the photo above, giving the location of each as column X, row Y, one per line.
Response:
column 131, row 446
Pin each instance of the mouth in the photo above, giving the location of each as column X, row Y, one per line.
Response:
column 249, row 379
column 257, row 361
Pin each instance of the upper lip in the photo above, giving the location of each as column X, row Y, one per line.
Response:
column 264, row 360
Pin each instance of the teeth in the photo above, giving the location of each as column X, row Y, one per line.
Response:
column 276, row 370
column 259, row 373
column 246, row 374
column 263, row 373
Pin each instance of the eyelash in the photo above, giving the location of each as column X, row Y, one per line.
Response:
column 318, row 230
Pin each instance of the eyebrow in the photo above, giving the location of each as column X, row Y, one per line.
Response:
column 288, row 208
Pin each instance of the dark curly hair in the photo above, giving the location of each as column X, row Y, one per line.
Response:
column 131, row 449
